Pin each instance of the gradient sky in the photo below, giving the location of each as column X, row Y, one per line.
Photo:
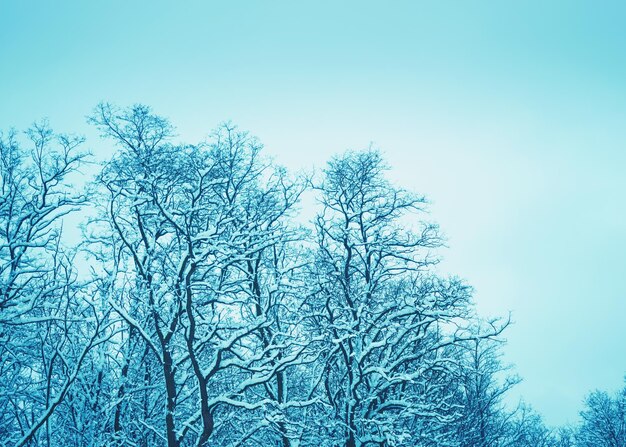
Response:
column 509, row 116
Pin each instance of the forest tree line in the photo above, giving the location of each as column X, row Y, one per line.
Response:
column 197, row 309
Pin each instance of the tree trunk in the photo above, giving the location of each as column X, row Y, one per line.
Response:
column 170, row 386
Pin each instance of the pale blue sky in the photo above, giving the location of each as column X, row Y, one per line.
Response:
column 509, row 116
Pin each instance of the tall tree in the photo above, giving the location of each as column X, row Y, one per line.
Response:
column 211, row 316
column 205, row 279
column 387, row 317
column 47, row 327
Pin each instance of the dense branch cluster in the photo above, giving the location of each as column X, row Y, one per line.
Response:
column 211, row 315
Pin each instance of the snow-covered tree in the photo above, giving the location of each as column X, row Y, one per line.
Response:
column 205, row 279
column 603, row 420
column 209, row 314
column 389, row 321
column 484, row 420
column 47, row 325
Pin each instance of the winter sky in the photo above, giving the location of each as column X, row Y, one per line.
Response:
column 509, row 116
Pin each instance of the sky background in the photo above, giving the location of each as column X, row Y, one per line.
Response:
column 509, row 116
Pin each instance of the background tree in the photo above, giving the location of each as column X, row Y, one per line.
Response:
column 483, row 383
column 527, row 429
column 603, row 420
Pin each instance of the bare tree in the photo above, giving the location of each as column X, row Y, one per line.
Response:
column 210, row 316
column 483, row 383
column 202, row 273
column 527, row 429
column 47, row 327
column 387, row 317
column 603, row 420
